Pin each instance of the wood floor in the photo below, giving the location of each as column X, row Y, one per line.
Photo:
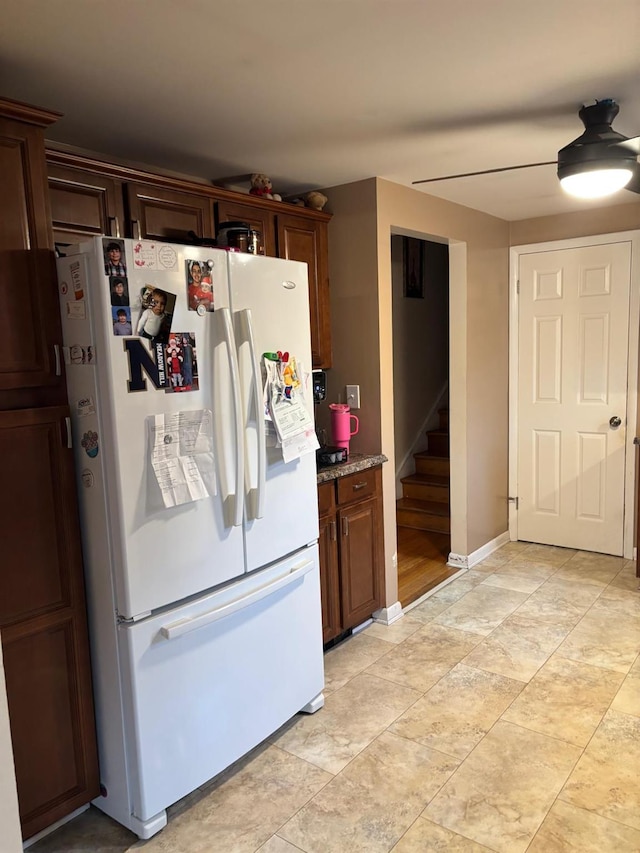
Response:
column 422, row 562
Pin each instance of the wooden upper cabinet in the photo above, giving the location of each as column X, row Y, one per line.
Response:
column 261, row 220
column 25, row 217
column 301, row 239
column 84, row 205
column 30, row 333
column 87, row 199
column 163, row 214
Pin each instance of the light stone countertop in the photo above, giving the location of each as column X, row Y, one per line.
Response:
column 356, row 462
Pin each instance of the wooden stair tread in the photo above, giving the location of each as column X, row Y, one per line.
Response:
column 426, row 507
column 427, row 479
column 424, row 454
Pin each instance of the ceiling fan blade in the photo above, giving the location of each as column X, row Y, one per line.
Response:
column 485, row 172
column 634, row 184
column 632, row 144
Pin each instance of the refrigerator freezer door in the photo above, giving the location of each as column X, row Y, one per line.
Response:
column 212, row 679
column 158, row 555
column 276, row 294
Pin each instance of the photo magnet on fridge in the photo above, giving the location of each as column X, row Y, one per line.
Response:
column 114, row 259
column 156, row 315
column 119, row 290
column 121, row 318
column 200, row 286
column 182, row 366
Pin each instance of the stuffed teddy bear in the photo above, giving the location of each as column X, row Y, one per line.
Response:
column 315, row 200
column 261, row 186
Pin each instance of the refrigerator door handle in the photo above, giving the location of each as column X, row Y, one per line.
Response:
column 255, row 497
column 234, row 504
column 185, row 626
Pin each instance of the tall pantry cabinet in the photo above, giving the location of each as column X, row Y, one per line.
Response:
column 42, row 605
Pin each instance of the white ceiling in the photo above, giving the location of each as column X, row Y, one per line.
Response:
column 322, row 92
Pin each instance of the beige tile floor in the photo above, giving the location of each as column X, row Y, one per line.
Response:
column 501, row 714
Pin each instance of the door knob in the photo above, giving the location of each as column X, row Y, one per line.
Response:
column 614, row 422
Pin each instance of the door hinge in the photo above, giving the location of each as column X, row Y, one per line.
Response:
column 518, row 286
column 515, row 501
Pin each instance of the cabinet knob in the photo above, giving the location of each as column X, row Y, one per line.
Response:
column 345, row 526
column 333, row 531
column 357, row 486
column 137, row 233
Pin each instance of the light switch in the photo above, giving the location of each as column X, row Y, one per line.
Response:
column 353, row 396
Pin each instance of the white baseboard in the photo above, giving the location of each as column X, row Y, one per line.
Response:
column 389, row 615
column 460, row 561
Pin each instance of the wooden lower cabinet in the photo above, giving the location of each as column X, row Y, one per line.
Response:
column 351, row 550
column 329, row 579
column 43, row 620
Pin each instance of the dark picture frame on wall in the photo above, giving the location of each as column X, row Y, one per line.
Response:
column 413, row 256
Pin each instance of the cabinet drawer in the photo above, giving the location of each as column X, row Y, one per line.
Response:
column 354, row 487
column 326, row 498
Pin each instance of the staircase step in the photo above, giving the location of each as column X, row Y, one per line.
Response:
column 438, row 442
column 429, row 463
column 423, row 515
column 443, row 414
column 426, row 487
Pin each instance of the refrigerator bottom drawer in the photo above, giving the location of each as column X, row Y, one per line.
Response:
column 209, row 681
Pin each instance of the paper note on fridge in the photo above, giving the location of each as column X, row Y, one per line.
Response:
column 181, row 450
column 298, row 445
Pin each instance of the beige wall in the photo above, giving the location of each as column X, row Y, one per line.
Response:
column 366, row 213
column 353, row 283
column 478, row 368
column 584, row 223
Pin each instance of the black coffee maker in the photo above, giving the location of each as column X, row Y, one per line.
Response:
column 325, row 455
column 319, row 386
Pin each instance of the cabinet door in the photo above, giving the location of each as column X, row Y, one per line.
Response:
column 329, row 578
column 30, row 332
column 29, row 312
column 262, row 220
column 25, row 205
column 157, row 214
column 43, row 621
column 360, row 561
column 301, row 239
column 84, row 205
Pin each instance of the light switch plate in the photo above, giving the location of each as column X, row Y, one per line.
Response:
column 353, row 396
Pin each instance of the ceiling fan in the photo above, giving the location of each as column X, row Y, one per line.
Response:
column 597, row 163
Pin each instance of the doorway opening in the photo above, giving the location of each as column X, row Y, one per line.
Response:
column 420, row 307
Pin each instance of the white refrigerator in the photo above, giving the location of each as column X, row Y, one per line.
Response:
column 199, row 540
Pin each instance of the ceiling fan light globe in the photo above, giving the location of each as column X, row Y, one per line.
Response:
column 596, row 183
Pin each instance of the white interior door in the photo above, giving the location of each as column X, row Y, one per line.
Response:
column 573, row 328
